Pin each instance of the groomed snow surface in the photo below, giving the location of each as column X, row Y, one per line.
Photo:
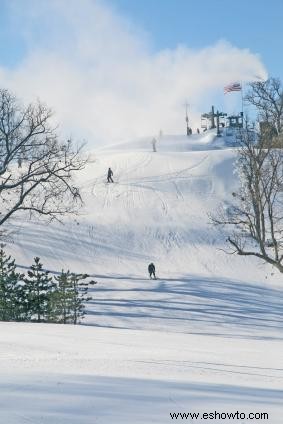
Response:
column 205, row 337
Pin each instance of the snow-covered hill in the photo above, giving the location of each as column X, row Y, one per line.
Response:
column 227, row 310
column 157, row 209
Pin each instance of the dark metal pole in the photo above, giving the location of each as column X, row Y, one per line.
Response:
column 212, row 117
column 187, row 120
column 217, row 123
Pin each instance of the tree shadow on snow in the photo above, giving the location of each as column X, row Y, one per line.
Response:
column 68, row 399
column 192, row 305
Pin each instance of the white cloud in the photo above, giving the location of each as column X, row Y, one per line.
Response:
column 102, row 78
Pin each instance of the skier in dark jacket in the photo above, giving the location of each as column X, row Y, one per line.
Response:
column 109, row 176
column 151, row 270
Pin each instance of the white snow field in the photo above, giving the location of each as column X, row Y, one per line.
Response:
column 205, row 337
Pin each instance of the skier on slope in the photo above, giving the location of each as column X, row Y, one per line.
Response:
column 151, row 270
column 153, row 142
column 109, row 176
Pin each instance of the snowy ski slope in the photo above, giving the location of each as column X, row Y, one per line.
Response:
column 207, row 335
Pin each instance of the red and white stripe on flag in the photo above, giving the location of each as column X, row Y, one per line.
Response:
column 235, row 86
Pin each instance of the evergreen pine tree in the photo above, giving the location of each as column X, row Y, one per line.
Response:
column 62, row 299
column 67, row 302
column 11, row 299
column 80, row 292
column 38, row 288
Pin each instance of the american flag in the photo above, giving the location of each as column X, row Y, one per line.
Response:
column 235, row 86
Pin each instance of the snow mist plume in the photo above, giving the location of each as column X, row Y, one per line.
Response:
column 100, row 75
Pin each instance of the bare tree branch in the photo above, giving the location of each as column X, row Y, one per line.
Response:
column 36, row 169
column 255, row 214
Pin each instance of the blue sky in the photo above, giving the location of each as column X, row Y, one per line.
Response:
column 116, row 69
column 253, row 24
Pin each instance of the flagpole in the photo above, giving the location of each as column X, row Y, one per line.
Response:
column 242, row 89
column 236, row 86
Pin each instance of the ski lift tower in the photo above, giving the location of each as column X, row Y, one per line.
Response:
column 209, row 117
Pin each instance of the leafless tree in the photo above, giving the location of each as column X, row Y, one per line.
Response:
column 255, row 217
column 267, row 97
column 36, row 169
